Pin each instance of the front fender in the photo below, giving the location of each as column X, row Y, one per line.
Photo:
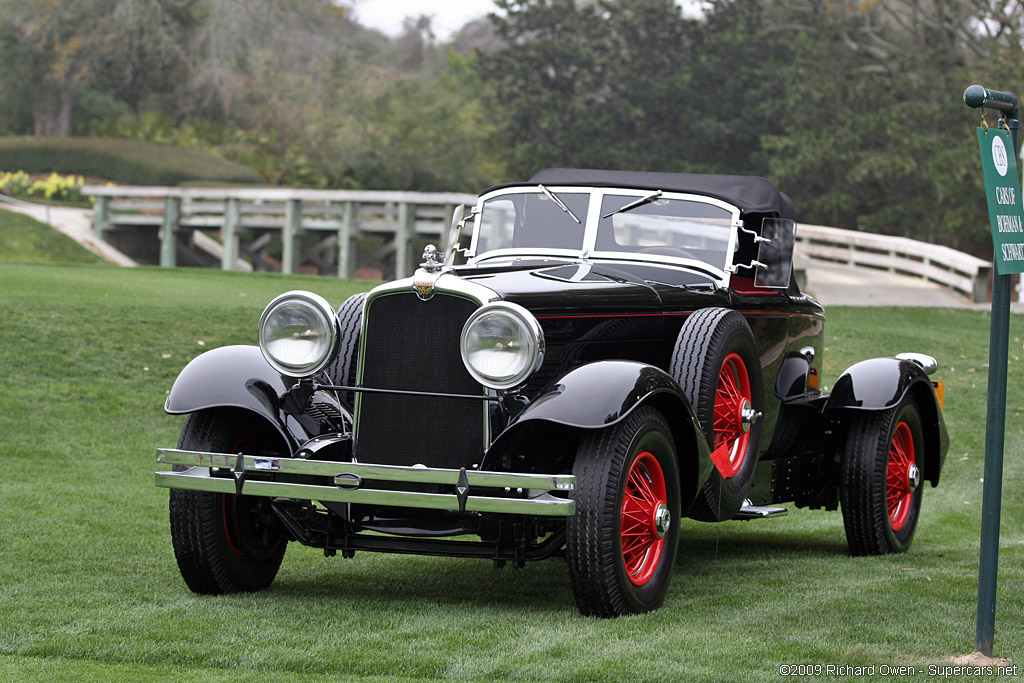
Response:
column 603, row 393
column 880, row 384
column 236, row 377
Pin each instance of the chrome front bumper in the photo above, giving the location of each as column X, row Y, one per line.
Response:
column 522, row 494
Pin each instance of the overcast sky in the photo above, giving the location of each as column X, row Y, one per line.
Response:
column 449, row 15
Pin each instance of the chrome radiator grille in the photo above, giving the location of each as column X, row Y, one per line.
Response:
column 413, row 345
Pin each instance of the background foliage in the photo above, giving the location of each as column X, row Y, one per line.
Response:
column 851, row 106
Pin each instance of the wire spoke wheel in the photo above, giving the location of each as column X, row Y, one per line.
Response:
column 899, row 479
column 621, row 543
column 733, row 403
column 880, row 486
column 644, row 510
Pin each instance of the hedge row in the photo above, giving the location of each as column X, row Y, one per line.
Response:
column 128, row 161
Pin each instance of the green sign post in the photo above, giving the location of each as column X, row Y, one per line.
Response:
column 1002, row 188
column 1003, row 191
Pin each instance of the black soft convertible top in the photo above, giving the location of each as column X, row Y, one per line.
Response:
column 748, row 193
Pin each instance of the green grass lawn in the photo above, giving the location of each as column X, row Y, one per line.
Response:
column 89, row 588
column 25, row 239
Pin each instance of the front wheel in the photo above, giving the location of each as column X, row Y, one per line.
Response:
column 880, row 491
column 226, row 543
column 622, row 541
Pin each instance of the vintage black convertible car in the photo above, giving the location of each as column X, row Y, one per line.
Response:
column 615, row 351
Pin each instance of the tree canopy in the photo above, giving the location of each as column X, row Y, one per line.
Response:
column 851, row 106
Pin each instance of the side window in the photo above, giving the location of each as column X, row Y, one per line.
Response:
column 776, row 253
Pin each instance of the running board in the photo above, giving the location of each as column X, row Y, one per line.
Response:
column 749, row 511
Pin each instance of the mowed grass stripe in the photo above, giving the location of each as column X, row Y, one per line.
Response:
column 89, row 587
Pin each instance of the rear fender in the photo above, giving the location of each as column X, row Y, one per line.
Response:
column 601, row 394
column 880, row 384
column 237, row 377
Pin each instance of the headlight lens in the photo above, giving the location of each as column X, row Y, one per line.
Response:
column 298, row 333
column 502, row 345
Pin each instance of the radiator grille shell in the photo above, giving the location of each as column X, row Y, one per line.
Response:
column 413, row 345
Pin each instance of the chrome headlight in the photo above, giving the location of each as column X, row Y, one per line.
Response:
column 502, row 345
column 298, row 333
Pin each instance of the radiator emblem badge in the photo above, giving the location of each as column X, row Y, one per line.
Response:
column 424, row 288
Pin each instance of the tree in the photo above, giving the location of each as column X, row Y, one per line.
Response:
column 57, row 48
column 877, row 137
column 600, row 84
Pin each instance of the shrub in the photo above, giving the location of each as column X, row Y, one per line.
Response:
column 55, row 186
column 128, row 161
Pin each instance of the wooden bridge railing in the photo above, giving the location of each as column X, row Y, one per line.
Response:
column 962, row 272
column 338, row 216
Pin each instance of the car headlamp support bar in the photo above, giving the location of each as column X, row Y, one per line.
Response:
column 431, row 394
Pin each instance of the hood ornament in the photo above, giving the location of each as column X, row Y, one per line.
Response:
column 429, row 271
column 430, row 262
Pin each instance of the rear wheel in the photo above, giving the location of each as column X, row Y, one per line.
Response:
column 226, row 543
column 880, row 490
column 622, row 541
column 716, row 364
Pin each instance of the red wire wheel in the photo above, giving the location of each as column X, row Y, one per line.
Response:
column 880, row 478
column 899, row 494
column 732, row 427
column 621, row 543
column 645, row 518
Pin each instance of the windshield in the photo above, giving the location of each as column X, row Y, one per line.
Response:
column 666, row 227
column 533, row 220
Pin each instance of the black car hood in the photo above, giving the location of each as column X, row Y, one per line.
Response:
column 582, row 288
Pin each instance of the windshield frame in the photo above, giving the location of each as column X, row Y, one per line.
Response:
column 592, row 222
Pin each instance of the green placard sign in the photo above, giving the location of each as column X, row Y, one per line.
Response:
column 1002, row 188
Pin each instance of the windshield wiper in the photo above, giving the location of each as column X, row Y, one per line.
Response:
column 632, row 205
column 553, row 197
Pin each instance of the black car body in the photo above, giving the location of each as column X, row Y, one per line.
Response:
column 619, row 350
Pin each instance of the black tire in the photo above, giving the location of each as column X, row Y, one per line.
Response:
column 708, row 340
column 343, row 369
column 226, row 543
column 876, row 467
column 610, row 466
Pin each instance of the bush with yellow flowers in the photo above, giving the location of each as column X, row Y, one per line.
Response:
column 54, row 186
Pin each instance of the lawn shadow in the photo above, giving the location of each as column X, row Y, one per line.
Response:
column 396, row 582
column 406, row 582
column 725, row 543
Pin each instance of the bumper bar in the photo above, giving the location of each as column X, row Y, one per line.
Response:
column 535, row 490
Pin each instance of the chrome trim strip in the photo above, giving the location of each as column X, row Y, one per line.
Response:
column 537, row 486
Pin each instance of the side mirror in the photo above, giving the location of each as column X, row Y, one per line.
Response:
column 775, row 253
